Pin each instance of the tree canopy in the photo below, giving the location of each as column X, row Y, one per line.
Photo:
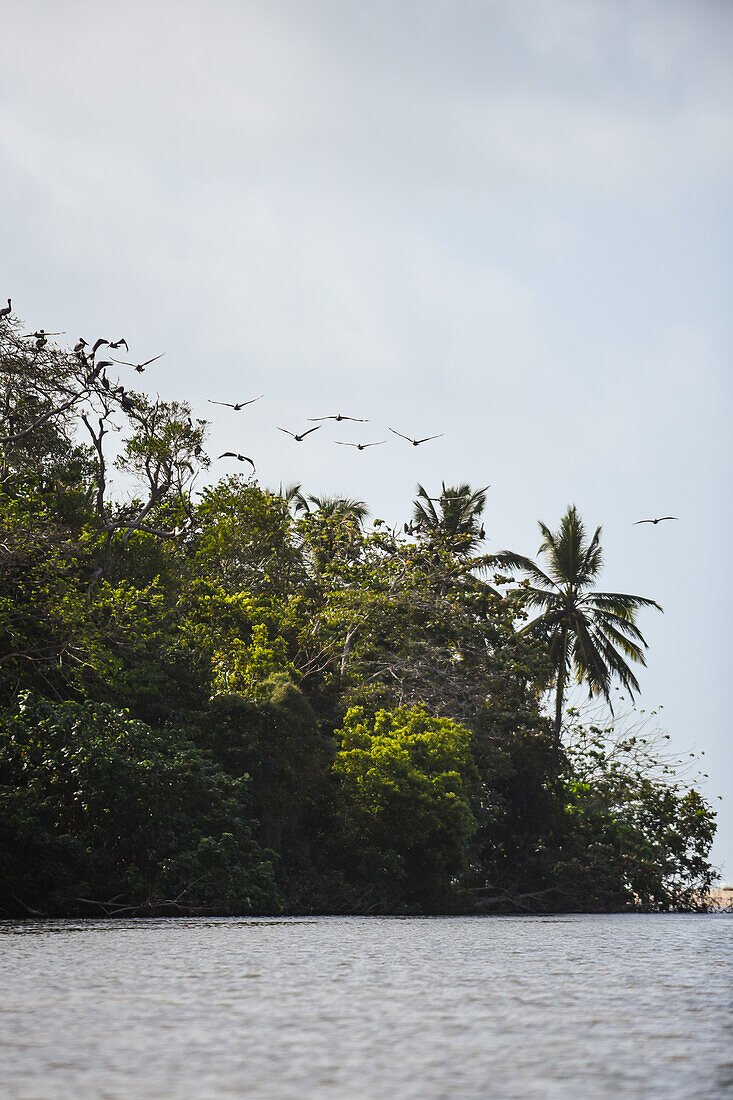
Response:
column 219, row 698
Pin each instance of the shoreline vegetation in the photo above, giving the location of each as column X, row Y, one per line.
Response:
column 228, row 700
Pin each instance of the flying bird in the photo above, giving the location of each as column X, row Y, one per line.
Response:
column 359, row 446
column 239, row 458
column 97, row 345
column 301, row 437
column 139, row 367
column 6, row 309
column 659, row 519
column 238, row 406
column 118, row 343
column 415, row 442
column 339, row 417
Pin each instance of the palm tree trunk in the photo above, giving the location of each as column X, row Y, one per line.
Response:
column 560, row 689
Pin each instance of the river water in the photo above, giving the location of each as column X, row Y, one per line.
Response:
column 569, row 1006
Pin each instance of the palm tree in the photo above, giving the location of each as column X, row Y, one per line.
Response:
column 334, row 529
column 589, row 631
column 457, row 522
column 293, row 496
column 345, row 507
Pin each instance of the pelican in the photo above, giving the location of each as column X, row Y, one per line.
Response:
column 301, row 437
column 415, row 442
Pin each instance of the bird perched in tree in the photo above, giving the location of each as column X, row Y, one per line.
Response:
column 6, row 309
column 239, row 405
column 93, row 374
column 301, row 437
column 415, row 442
column 359, row 446
column 339, row 417
column 239, row 458
column 80, row 345
column 41, row 337
column 659, row 519
column 139, row 367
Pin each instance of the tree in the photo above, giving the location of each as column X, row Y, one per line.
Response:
column 100, row 813
column 405, row 779
column 346, row 508
column 589, row 631
column 456, row 525
column 332, row 531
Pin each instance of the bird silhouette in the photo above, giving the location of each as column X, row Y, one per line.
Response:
column 80, row 345
column 339, row 417
column 94, row 371
column 96, row 346
column 301, row 437
column 6, row 309
column 659, row 519
column 139, row 367
column 415, row 442
column 118, row 343
column 238, row 406
column 359, row 446
column 239, row 458
column 41, row 335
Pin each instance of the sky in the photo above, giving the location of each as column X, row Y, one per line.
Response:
column 505, row 221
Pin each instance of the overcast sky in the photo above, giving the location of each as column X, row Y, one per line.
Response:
column 508, row 221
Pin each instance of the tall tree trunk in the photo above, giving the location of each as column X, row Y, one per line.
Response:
column 560, row 689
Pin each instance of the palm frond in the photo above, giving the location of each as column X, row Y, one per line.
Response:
column 625, row 625
column 589, row 659
column 627, row 645
column 592, row 560
column 512, row 562
column 619, row 666
column 615, row 601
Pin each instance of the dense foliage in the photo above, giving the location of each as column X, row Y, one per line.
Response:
column 235, row 700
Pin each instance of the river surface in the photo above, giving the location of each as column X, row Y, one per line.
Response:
column 570, row 1006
